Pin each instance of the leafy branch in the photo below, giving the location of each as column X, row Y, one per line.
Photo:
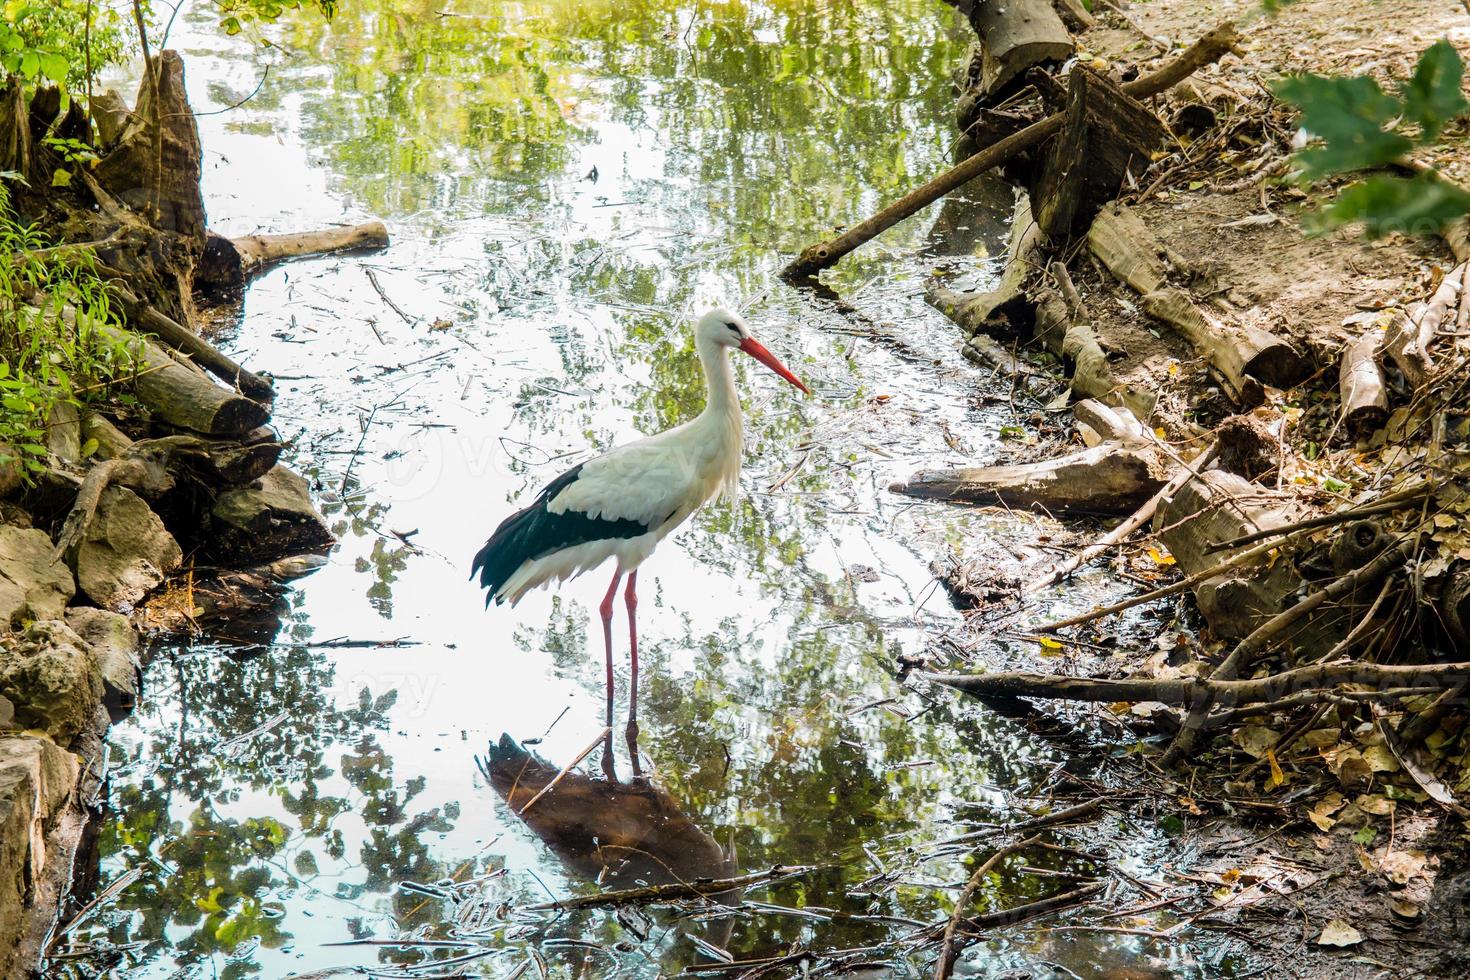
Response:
column 1359, row 126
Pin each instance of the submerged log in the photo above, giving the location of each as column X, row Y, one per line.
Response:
column 1107, row 136
column 1361, row 388
column 1109, row 478
column 1241, row 356
column 229, row 262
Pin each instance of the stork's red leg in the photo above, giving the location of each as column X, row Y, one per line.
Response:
column 631, row 596
column 607, row 610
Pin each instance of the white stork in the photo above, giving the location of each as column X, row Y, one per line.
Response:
column 623, row 503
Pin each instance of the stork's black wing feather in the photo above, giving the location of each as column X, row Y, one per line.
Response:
column 534, row 532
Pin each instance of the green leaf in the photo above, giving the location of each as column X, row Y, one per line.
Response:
column 30, row 63
column 54, row 66
column 1419, row 205
column 1432, row 97
column 62, row 176
column 1348, row 114
column 90, row 446
column 1365, row 834
column 32, row 448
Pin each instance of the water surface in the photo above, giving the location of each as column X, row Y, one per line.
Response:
column 568, row 185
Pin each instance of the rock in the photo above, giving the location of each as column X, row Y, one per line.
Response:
column 32, row 586
column 114, row 646
column 270, row 518
column 10, row 470
column 36, row 780
column 126, row 552
column 53, row 680
column 64, row 432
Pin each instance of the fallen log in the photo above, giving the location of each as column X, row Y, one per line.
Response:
column 218, row 463
column 1361, row 389
column 1210, row 48
column 180, row 338
column 1241, row 356
column 180, row 394
column 1107, row 137
column 1221, row 506
column 1407, row 344
column 229, row 262
column 1189, row 690
column 1015, row 36
column 1109, row 478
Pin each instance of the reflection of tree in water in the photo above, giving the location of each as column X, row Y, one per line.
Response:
column 213, row 879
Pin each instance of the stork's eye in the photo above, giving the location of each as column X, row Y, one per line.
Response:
column 733, row 327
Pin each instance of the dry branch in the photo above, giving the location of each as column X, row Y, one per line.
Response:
column 947, row 951
column 1208, row 49
column 1189, row 690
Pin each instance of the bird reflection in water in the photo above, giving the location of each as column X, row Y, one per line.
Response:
column 618, row 834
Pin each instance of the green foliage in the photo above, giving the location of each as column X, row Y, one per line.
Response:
column 48, row 40
column 235, row 15
column 1362, row 127
column 49, row 355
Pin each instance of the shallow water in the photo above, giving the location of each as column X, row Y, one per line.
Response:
column 282, row 799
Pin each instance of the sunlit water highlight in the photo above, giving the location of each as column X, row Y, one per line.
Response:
column 278, row 801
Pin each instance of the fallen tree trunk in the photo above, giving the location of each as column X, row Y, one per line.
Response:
column 185, row 341
column 1361, row 388
column 1015, row 36
column 1221, row 506
column 229, row 262
column 1190, row 690
column 181, row 394
column 1241, row 356
column 1210, row 48
column 1110, row 478
column 1407, row 344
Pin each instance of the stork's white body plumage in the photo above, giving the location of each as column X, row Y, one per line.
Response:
column 621, row 504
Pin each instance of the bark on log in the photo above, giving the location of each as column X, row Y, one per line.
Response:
column 218, row 463
column 185, row 341
column 1106, row 137
column 1016, row 35
column 1221, row 506
column 1407, row 344
column 1109, row 478
column 1076, row 16
column 182, row 395
column 15, row 130
column 112, row 115
column 1210, row 48
column 1360, row 384
column 1241, row 356
column 229, row 262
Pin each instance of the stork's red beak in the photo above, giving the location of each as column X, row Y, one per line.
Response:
column 757, row 350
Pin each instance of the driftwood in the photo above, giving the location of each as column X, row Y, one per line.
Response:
column 1208, row 49
column 1107, row 136
column 1361, row 388
column 1058, row 325
column 180, row 338
column 1110, row 478
column 1241, row 356
column 229, row 262
column 1004, row 311
column 1016, row 35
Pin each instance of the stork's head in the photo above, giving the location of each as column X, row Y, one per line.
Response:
column 723, row 328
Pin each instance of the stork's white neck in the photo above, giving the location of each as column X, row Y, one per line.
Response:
column 722, row 402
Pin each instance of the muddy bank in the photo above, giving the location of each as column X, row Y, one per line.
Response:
column 1256, row 406
column 155, row 502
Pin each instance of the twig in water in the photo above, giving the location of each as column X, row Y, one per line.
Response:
column 601, row 736
column 675, row 891
column 373, row 278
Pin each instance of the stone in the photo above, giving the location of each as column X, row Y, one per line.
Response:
column 268, row 519
column 32, row 586
column 64, row 432
column 36, row 780
column 114, row 645
column 10, row 469
column 126, row 552
column 51, row 677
